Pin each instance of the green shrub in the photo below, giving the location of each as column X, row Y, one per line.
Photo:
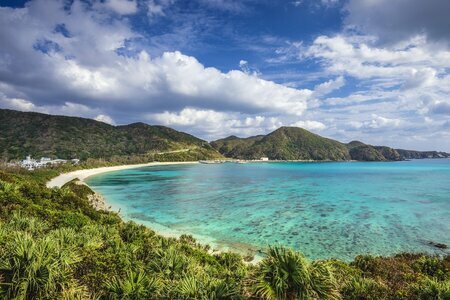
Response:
column 431, row 289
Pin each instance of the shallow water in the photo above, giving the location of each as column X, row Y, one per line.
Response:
column 325, row 210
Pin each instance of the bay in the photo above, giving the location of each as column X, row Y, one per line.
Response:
column 325, row 210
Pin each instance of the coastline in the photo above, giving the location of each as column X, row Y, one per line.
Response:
column 217, row 245
column 62, row 179
column 99, row 202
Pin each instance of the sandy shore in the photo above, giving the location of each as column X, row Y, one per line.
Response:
column 62, row 179
column 100, row 203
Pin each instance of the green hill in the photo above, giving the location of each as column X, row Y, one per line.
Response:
column 23, row 133
column 285, row 143
column 292, row 143
column 36, row 134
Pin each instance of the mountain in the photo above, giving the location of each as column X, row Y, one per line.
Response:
column 23, row 133
column 285, row 143
column 292, row 143
column 36, row 134
column 363, row 152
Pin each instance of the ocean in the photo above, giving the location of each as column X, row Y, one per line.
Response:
column 325, row 210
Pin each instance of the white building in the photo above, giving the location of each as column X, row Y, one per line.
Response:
column 31, row 164
column 264, row 158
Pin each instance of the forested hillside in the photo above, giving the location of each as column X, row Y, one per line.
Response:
column 36, row 134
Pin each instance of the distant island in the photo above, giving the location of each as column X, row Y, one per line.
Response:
column 42, row 135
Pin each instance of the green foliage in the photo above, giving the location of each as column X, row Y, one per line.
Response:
column 36, row 268
column 292, row 143
column 366, row 153
column 29, row 133
column 134, row 286
column 285, row 274
column 364, row 288
column 285, row 143
column 431, row 289
column 54, row 245
column 432, row 266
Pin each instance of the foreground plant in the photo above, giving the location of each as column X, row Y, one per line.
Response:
column 134, row 286
column 36, row 268
column 54, row 245
column 285, row 274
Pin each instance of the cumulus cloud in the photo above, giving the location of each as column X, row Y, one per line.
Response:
column 212, row 124
column 404, row 83
column 94, row 63
column 104, row 119
column 412, row 77
column 358, row 56
column 66, row 108
column 310, row 125
column 376, row 122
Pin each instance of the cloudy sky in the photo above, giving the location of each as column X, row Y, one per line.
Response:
column 372, row 70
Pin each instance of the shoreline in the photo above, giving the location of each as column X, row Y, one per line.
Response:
column 99, row 202
column 64, row 178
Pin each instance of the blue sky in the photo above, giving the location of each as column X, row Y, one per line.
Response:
column 376, row 71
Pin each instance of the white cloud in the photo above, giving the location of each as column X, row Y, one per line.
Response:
column 123, row 7
column 156, row 8
column 214, row 125
column 88, row 70
column 105, row 119
column 358, row 56
column 310, row 125
column 382, row 122
column 189, row 117
column 17, row 104
column 329, row 86
column 66, row 108
column 421, row 78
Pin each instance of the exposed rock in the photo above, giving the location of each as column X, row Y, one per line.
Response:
column 97, row 201
column 438, row 245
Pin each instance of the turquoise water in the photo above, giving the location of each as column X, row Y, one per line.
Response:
column 322, row 209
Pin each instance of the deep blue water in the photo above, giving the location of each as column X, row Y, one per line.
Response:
column 325, row 210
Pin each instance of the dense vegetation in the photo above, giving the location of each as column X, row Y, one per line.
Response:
column 27, row 133
column 24, row 133
column 291, row 143
column 285, row 143
column 54, row 245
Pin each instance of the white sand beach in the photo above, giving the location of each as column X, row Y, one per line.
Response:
column 62, row 179
column 99, row 202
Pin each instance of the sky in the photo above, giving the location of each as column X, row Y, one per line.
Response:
column 377, row 71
